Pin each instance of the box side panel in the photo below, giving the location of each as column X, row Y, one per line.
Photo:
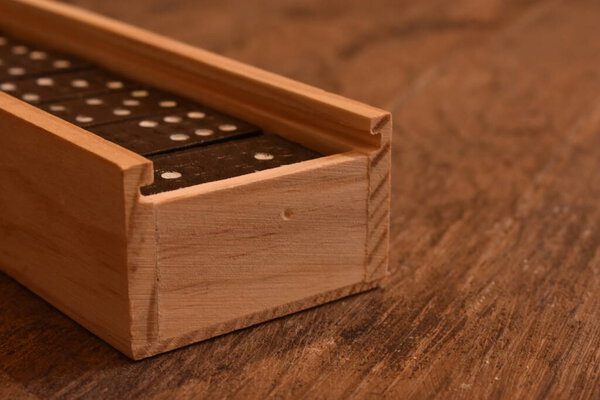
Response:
column 63, row 220
column 231, row 253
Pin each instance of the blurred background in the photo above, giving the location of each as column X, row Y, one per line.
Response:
column 328, row 43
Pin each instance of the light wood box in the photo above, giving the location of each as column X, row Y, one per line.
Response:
column 152, row 273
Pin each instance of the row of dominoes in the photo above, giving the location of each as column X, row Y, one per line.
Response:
column 188, row 142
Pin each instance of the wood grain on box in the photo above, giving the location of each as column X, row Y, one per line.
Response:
column 161, row 265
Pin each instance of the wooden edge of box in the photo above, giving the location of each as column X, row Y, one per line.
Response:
column 313, row 117
column 63, row 219
column 141, row 350
column 79, row 138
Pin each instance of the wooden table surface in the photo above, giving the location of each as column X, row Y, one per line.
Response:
column 494, row 289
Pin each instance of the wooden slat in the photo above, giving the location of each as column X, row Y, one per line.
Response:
column 65, row 201
column 310, row 116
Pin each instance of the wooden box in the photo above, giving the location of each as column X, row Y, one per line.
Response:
column 152, row 273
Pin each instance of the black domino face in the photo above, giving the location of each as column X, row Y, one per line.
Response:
column 180, row 129
column 19, row 60
column 108, row 108
column 189, row 143
column 51, row 88
column 223, row 160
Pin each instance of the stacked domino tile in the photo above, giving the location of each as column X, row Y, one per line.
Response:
column 188, row 143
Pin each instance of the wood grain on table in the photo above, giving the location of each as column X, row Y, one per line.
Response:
column 494, row 289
